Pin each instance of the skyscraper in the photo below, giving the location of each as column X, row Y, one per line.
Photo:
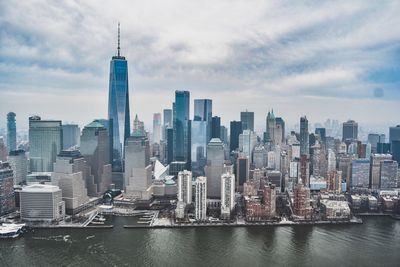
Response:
column 185, row 187
column 71, row 135
column 182, row 135
column 7, row 195
column 45, row 142
column 95, row 149
column 214, row 167
column 203, row 112
column 216, row 127
column 70, row 173
column 156, row 128
column 227, row 194
column 304, row 141
column 167, row 122
column 11, row 132
column 137, row 167
column 247, row 119
column 322, row 134
column 350, row 131
column 201, row 199
column 242, row 171
column 19, row 164
column 360, row 173
column 235, row 130
column 118, row 104
column 389, row 178
column 394, row 140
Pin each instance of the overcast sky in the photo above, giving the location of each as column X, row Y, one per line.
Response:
column 339, row 59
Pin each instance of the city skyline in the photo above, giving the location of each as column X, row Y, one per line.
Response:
column 323, row 64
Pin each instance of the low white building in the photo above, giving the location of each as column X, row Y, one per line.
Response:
column 41, row 202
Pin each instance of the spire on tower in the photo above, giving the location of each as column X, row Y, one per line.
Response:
column 119, row 48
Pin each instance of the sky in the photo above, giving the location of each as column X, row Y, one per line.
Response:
column 335, row 59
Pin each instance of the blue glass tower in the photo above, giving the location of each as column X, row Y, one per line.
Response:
column 11, row 132
column 118, row 105
column 182, row 127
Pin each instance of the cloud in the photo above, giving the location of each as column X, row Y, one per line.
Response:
column 248, row 54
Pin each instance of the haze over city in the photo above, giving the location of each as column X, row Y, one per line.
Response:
column 332, row 60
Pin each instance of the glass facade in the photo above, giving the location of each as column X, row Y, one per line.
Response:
column 118, row 106
column 182, row 127
column 45, row 142
column 11, row 132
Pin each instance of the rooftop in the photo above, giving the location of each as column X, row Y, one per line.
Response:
column 41, row 188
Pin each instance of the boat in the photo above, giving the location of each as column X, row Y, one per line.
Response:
column 100, row 218
column 11, row 230
column 96, row 222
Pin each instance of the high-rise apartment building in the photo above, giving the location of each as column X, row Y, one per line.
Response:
column 45, row 142
column 360, row 173
column 227, row 194
column 201, row 198
column 304, row 137
column 389, row 178
column 185, row 187
column 394, row 140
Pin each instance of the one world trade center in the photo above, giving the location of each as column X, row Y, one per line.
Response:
column 118, row 105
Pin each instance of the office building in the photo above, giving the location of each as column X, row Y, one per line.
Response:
column 3, row 150
column 138, row 167
column 198, row 146
column 227, row 194
column 70, row 175
column 167, row 122
column 170, row 145
column 95, row 149
column 374, row 139
column 214, row 167
column 242, row 171
column 7, row 194
column 11, row 132
column 200, row 207
column 350, row 131
column 321, row 133
column 41, row 203
column 185, row 187
column 203, row 112
column 304, row 137
column 260, row 156
column 247, row 142
column 118, row 104
column 389, row 178
column 71, row 135
column 182, row 135
column 360, row 173
column 216, row 127
column 235, row 130
column 224, row 134
column 375, row 171
column 19, row 164
column 247, row 119
column 394, row 140
column 157, row 128
column 280, row 128
column 45, row 142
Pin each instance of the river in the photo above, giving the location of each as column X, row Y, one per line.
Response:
column 374, row 243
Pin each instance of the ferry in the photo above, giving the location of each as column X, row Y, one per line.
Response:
column 11, row 230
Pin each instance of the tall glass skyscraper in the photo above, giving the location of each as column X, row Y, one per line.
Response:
column 11, row 132
column 45, row 142
column 304, row 137
column 118, row 104
column 247, row 119
column 182, row 127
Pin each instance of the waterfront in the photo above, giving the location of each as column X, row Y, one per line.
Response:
column 376, row 242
